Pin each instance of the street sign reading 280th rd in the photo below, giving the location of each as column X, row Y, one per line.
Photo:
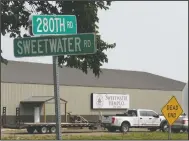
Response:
column 78, row 44
column 54, row 24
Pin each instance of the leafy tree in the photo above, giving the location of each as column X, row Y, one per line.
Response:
column 15, row 15
column 3, row 60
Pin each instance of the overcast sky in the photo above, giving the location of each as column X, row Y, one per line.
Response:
column 150, row 36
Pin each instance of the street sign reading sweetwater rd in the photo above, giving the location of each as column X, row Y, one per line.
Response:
column 54, row 24
column 78, row 44
column 172, row 110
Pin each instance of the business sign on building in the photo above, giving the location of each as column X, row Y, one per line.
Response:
column 109, row 101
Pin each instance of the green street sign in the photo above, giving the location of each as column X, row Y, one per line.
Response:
column 54, row 24
column 78, row 44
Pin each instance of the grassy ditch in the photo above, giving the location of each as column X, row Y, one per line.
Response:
column 128, row 136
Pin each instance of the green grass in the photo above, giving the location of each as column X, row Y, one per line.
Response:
column 128, row 136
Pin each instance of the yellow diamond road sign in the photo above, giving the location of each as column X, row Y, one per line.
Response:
column 172, row 110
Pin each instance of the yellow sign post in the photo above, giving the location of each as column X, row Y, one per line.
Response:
column 171, row 111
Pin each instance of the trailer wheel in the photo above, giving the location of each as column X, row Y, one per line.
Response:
column 52, row 129
column 30, row 130
column 42, row 130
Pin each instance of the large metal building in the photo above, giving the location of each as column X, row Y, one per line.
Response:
column 30, row 87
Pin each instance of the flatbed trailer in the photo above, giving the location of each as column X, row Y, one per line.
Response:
column 44, row 128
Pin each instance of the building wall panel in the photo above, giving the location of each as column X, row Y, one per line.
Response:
column 13, row 93
column 79, row 97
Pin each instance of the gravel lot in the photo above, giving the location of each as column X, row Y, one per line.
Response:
column 67, row 132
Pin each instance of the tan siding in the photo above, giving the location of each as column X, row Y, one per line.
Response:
column 79, row 97
column 12, row 94
column 50, row 109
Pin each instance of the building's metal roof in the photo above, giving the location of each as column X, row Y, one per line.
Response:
column 36, row 73
column 39, row 99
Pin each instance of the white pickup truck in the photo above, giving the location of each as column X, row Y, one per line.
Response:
column 136, row 118
column 181, row 124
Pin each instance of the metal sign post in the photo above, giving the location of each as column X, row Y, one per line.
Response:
column 169, row 133
column 66, row 25
column 69, row 43
column 57, row 97
column 0, row 86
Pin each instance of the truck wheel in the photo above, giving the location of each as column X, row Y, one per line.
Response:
column 184, row 130
column 164, row 127
column 176, row 130
column 42, row 130
column 124, row 127
column 152, row 129
column 52, row 129
column 30, row 130
column 111, row 129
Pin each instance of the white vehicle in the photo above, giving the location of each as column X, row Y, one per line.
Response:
column 181, row 124
column 136, row 118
